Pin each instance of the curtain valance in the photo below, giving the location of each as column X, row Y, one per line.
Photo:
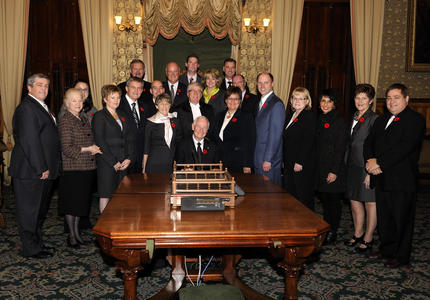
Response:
column 221, row 17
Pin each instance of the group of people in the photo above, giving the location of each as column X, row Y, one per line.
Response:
column 144, row 127
column 371, row 160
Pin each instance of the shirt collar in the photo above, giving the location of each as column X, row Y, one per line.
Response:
column 196, row 141
column 264, row 98
column 130, row 101
column 40, row 102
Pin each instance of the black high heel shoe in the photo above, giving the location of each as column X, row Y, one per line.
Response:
column 354, row 241
column 368, row 247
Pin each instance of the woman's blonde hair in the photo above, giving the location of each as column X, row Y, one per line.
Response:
column 305, row 92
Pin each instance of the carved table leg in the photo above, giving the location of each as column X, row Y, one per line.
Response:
column 129, row 263
column 293, row 261
column 229, row 263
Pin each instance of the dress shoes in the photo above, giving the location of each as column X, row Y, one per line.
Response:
column 367, row 248
column 354, row 241
column 394, row 263
column 41, row 255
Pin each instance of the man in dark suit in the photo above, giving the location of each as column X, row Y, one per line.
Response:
column 156, row 89
column 195, row 148
column 229, row 70
column 137, row 69
column 192, row 65
column 35, row 163
column 136, row 112
column 173, row 87
column 249, row 101
column 270, row 124
column 392, row 150
column 193, row 108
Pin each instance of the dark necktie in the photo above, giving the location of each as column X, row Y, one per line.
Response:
column 135, row 116
column 229, row 83
column 172, row 91
column 191, row 80
column 199, row 153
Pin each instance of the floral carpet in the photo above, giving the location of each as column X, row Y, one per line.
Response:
column 339, row 273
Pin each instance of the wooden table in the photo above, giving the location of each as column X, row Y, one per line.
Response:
column 139, row 215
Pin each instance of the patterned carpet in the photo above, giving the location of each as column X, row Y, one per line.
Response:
column 340, row 273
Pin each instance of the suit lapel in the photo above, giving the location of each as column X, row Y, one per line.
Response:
column 266, row 105
column 42, row 109
column 193, row 149
column 111, row 119
column 230, row 125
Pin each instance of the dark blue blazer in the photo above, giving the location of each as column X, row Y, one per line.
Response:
column 268, row 147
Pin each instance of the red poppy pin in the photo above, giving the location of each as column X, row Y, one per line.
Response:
column 205, row 151
column 396, row 119
column 123, row 119
column 295, row 120
column 144, row 90
column 141, row 109
column 247, row 96
column 264, row 105
column 173, row 125
column 178, row 91
column 326, row 125
column 91, row 114
column 234, row 120
column 212, row 97
column 361, row 120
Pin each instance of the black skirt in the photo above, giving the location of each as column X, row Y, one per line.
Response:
column 75, row 190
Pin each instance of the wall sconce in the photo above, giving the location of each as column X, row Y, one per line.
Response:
column 254, row 28
column 127, row 26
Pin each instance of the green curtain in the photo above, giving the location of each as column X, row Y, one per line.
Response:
column 211, row 52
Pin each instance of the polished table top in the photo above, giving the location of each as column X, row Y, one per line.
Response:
column 161, row 183
column 138, row 212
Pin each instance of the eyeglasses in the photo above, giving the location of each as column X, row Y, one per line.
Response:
column 233, row 98
column 195, row 91
column 298, row 99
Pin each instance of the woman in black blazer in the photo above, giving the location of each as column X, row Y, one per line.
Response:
column 162, row 132
column 212, row 94
column 235, row 133
column 299, row 148
column 113, row 135
column 331, row 138
column 362, row 197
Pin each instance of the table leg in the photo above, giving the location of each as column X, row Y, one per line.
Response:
column 129, row 263
column 176, row 281
column 292, row 262
column 229, row 263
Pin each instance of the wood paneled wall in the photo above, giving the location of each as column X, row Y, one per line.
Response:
column 55, row 46
column 324, row 55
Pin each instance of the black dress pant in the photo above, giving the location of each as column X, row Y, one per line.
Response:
column 300, row 185
column 32, row 204
column 332, row 209
column 396, row 216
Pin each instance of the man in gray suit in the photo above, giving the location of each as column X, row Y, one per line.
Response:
column 35, row 163
column 269, row 123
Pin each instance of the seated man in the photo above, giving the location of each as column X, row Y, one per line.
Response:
column 196, row 148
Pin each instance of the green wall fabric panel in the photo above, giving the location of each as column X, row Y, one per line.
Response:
column 211, row 52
